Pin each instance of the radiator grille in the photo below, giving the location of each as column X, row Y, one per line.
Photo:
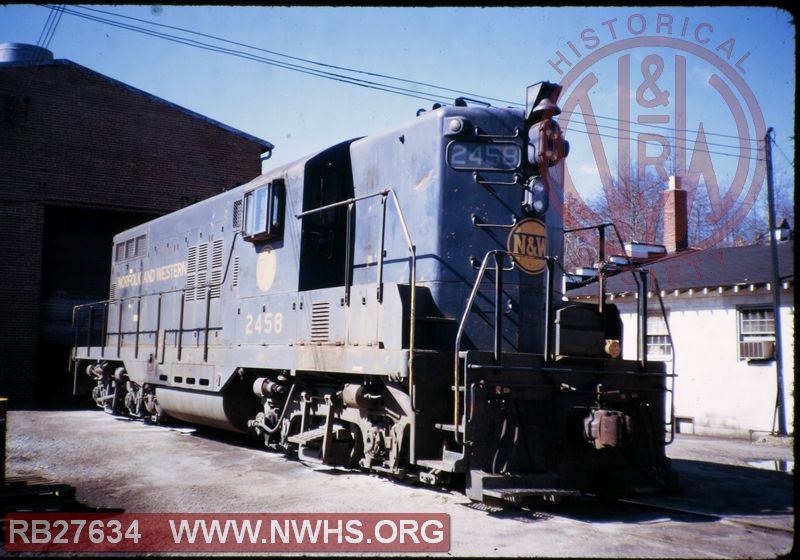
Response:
column 217, row 258
column 191, row 273
column 217, row 253
column 237, row 215
column 202, row 272
column 320, row 321
column 235, row 272
column 112, row 293
column 216, row 280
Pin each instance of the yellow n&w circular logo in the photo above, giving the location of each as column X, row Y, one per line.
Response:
column 527, row 245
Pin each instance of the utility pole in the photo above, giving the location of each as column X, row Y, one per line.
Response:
column 780, row 405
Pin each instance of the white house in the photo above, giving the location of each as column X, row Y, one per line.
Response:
column 719, row 309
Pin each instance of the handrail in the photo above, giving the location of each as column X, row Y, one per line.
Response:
column 208, row 284
column 384, row 194
column 671, row 390
column 106, row 302
column 497, row 353
column 76, row 323
column 413, row 312
column 460, row 333
column 601, row 230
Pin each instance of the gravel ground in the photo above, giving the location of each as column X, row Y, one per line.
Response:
column 116, row 463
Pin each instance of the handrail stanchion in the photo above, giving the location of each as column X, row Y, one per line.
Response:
column 207, row 322
column 642, row 318
column 348, row 254
column 548, row 309
column 382, row 250
column 105, row 329
column 180, row 324
column 76, row 311
column 89, row 330
column 119, row 327
column 498, row 313
column 138, row 326
column 158, row 328
column 412, row 329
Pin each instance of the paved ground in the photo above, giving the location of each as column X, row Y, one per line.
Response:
column 117, row 463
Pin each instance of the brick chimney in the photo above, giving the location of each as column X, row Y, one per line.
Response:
column 676, row 230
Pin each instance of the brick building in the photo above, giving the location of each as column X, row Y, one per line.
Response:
column 82, row 157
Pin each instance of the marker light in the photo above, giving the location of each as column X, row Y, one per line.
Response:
column 455, row 126
column 546, row 144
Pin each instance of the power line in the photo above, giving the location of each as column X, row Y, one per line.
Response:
column 774, row 143
column 288, row 66
column 696, row 149
column 668, row 129
column 428, row 96
column 45, row 37
column 734, row 147
column 389, row 88
column 297, row 58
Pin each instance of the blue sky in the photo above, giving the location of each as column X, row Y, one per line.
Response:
column 493, row 52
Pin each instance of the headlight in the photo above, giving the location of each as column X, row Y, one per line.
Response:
column 536, row 197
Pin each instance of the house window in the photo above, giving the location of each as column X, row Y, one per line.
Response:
column 658, row 346
column 263, row 212
column 756, row 333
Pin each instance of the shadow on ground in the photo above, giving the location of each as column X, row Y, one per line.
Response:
column 708, row 492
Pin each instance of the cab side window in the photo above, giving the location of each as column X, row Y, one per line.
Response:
column 264, row 210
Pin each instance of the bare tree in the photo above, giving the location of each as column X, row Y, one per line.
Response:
column 698, row 223
column 754, row 229
column 633, row 204
column 784, row 197
column 580, row 247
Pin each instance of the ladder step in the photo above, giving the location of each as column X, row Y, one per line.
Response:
column 516, row 494
column 316, row 435
column 436, row 464
column 307, row 437
column 449, row 427
column 442, row 466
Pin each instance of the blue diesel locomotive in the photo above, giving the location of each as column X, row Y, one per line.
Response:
column 391, row 303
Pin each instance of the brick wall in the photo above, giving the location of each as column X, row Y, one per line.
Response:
column 20, row 264
column 77, row 139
